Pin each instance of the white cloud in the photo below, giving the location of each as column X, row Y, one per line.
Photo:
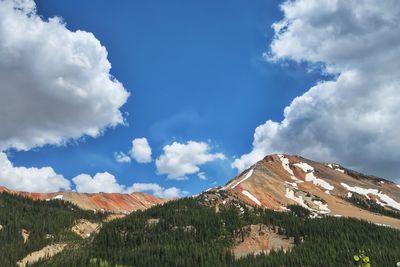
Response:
column 55, row 84
column 121, row 157
column 101, row 182
column 107, row 183
column 353, row 118
column 30, row 179
column 141, row 150
column 157, row 190
column 181, row 159
column 47, row 180
column 202, row 176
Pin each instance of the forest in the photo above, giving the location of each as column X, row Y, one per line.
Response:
column 186, row 233
column 46, row 222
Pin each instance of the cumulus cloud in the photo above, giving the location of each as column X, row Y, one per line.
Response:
column 55, row 83
column 121, row 157
column 101, row 182
column 30, row 179
column 180, row 159
column 352, row 118
column 107, row 183
column 141, row 150
column 157, row 190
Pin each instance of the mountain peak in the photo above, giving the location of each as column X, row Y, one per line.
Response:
column 279, row 180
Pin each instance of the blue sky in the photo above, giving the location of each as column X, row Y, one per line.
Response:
column 195, row 70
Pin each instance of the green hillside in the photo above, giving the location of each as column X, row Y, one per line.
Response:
column 186, row 233
column 46, row 221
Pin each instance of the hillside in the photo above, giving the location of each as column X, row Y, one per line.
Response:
column 323, row 188
column 188, row 232
column 110, row 202
column 283, row 211
column 27, row 225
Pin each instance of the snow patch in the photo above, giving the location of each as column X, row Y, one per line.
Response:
column 335, row 167
column 292, row 184
column 323, row 208
column 253, row 198
column 285, row 164
column 299, row 200
column 398, row 185
column 310, row 177
column 58, row 197
column 387, row 201
column 286, row 167
column 340, row 170
column 247, row 176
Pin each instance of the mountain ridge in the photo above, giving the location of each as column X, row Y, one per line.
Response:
column 279, row 180
column 110, row 202
column 276, row 181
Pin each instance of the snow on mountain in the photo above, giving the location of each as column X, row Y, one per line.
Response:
column 310, row 176
column 335, row 167
column 387, row 201
column 286, row 166
column 281, row 180
column 249, row 195
column 247, row 176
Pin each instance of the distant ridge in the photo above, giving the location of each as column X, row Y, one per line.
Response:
column 111, row 202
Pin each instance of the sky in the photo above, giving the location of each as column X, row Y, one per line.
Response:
column 174, row 97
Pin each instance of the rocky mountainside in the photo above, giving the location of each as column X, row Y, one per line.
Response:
column 111, row 202
column 191, row 232
column 324, row 188
column 283, row 211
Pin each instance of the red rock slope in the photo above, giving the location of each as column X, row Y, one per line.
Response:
column 280, row 180
column 113, row 202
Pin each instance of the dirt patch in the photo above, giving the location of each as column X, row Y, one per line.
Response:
column 25, row 235
column 114, row 217
column 85, row 228
column 44, row 253
column 153, row 221
column 257, row 239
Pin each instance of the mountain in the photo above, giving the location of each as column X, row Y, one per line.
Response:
column 191, row 232
column 323, row 188
column 111, row 202
column 282, row 211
